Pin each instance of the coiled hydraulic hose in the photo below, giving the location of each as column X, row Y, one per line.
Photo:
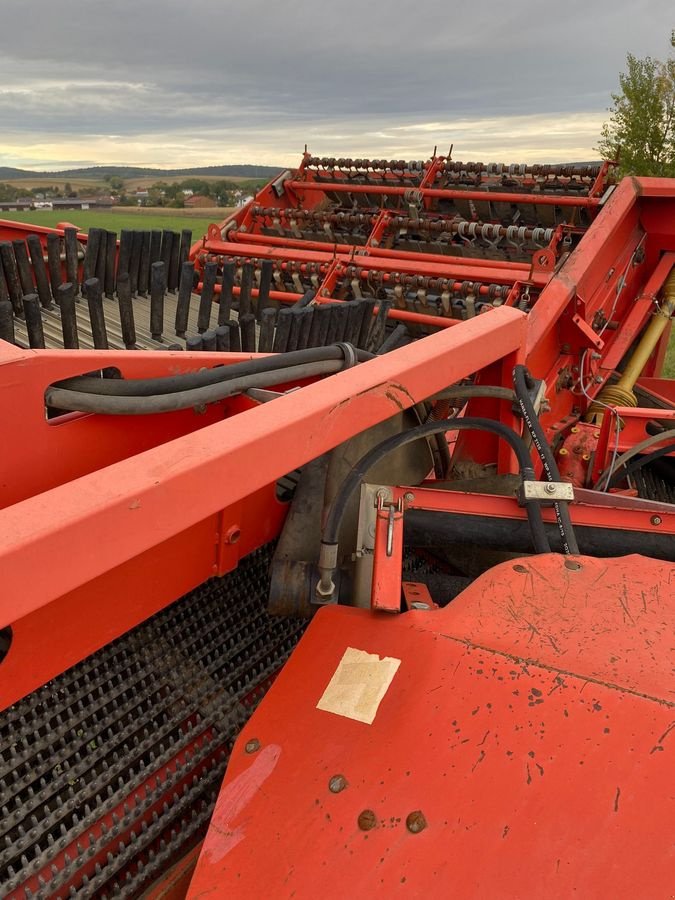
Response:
column 521, row 381
column 329, row 541
column 160, row 395
column 146, row 387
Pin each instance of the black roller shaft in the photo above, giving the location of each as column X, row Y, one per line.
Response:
column 174, row 264
column 144, row 265
column 110, row 254
column 354, row 319
column 102, row 258
column 93, row 291
column 68, row 318
column 54, row 264
column 124, row 257
column 283, row 329
column 12, row 277
column 338, row 323
column 245, row 286
column 395, row 339
column 320, row 325
column 184, row 296
column 247, row 328
column 222, row 338
column 157, row 288
column 135, row 261
column 4, row 292
column 377, row 330
column 225, row 307
column 264, row 289
column 206, row 299
column 235, row 337
column 39, row 270
column 165, row 253
column 23, row 265
column 155, row 246
column 91, row 249
column 266, row 338
column 297, row 316
column 72, row 257
column 7, row 322
column 33, row 313
column 305, row 327
column 209, row 340
column 366, row 323
column 126, row 308
column 185, row 244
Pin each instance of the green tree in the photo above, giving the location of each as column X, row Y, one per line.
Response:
column 641, row 127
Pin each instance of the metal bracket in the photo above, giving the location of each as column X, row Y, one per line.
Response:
column 546, row 492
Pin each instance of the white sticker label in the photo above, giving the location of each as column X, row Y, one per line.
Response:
column 358, row 685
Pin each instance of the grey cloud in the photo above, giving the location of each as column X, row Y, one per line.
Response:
column 144, row 67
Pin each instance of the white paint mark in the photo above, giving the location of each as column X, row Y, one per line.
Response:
column 358, row 685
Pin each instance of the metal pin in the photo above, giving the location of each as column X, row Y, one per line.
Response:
column 144, row 265
column 283, row 330
column 264, row 288
column 173, row 272
column 135, row 261
column 245, row 286
column 247, row 326
column 124, row 256
column 91, row 254
column 110, row 254
column 266, row 339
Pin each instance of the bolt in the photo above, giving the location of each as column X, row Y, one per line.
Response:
column 599, row 379
column 574, row 430
column 416, row 822
column 574, row 566
column 549, row 488
column 337, row 783
column 408, row 496
column 232, row 535
column 252, row 746
column 656, row 520
column 563, row 452
column 367, row 820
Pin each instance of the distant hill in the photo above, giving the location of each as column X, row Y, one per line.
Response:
column 100, row 172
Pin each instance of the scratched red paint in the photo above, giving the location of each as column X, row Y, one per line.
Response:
column 223, row 834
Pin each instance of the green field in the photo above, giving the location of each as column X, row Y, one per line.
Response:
column 669, row 366
column 115, row 221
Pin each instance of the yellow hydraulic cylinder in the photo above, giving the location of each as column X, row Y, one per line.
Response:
column 621, row 393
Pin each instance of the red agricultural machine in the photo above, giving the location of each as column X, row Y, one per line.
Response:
column 397, row 460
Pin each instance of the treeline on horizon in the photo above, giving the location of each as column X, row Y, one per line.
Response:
column 236, row 171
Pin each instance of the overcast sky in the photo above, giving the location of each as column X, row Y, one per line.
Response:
column 207, row 82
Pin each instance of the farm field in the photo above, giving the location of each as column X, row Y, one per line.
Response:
column 124, row 217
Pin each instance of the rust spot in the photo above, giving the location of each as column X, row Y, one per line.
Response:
column 415, row 822
column 367, row 820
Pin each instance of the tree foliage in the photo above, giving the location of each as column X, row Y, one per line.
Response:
column 641, row 127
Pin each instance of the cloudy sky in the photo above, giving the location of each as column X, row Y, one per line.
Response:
column 206, row 82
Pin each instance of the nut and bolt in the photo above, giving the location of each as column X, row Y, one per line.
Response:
column 549, row 488
column 367, row 820
column 656, row 520
column 416, row 822
column 408, row 496
column 252, row 746
column 337, row 783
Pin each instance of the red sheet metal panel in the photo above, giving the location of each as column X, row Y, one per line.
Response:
column 522, row 748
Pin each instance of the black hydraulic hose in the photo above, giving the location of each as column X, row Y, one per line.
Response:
column 103, row 404
column 171, row 384
column 359, row 470
column 521, row 377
